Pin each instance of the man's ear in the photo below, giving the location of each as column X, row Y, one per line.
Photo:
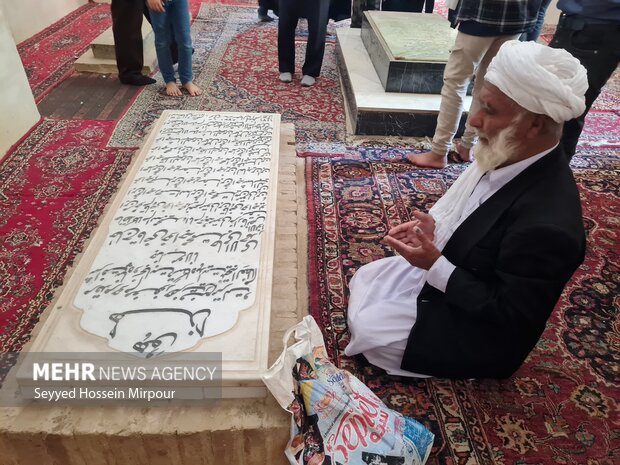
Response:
column 537, row 126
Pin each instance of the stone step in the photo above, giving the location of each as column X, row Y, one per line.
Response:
column 409, row 51
column 373, row 111
column 88, row 63
column 103, row 45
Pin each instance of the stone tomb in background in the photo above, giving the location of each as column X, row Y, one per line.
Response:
column 409, row 51
column 183, row 259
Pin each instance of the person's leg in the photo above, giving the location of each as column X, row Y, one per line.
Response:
column 262, row 8
column 466, row 55
column 596, row 49
column 469, row 136
column 429, row 5
column 173, row 44
column 534, row 33
column 127, row 31
column 288, row 10
column 161, row 28
column 318, row 17
column 180, row 22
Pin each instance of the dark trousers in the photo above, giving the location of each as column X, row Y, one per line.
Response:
column 127, row 31
column 411, row 6
column 597, row 46
column 317, row 14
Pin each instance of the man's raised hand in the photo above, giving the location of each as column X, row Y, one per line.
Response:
column 423, row 255
column 156, row 5
column 406, row 234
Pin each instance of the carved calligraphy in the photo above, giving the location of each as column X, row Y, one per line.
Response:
column 181, row 258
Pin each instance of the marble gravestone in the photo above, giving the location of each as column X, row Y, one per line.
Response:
column 183, row 259
column 409, row 51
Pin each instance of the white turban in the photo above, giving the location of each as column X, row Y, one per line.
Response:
column 541, row 79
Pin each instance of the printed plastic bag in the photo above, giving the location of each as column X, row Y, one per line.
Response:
column 336, row 418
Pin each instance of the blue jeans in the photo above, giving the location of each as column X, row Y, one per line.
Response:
column 534, row 33
column 175, row 18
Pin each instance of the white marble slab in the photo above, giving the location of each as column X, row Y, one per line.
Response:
column 183, row 259
column 367, row 88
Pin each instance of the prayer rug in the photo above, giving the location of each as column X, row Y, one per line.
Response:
column 49, row 55
column 235, row 63
column 54, row 185
column 561, row 406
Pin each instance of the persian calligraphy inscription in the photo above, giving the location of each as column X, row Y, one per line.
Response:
column 186, row 251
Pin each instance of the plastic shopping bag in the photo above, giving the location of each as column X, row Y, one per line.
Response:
column 336, row 419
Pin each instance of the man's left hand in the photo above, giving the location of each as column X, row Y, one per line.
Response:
column 423, row 256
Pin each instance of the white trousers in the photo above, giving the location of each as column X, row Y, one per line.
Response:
column 382, row 310
column 470, row 56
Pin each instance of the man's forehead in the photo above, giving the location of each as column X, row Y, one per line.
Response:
column 491, row 94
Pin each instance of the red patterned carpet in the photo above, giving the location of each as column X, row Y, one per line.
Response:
column 53, row 188
column 49, row 55
column 561, row 406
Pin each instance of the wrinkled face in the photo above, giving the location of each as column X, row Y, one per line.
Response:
column 499, row 124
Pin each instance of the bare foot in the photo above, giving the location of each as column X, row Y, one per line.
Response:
column 173, row 90
column 193, row 89
column 465, row 153
column 428, row 160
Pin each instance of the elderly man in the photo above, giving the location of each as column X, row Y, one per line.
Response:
column 479, row 275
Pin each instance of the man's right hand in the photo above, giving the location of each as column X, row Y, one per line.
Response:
column 156, row 5
column 405, row 232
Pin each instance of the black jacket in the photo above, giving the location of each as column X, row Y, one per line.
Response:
column 514, row 254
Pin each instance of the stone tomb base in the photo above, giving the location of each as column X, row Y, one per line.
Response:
column 409, row 51
column 369, row 108
column 232, row 431
column 191, row 231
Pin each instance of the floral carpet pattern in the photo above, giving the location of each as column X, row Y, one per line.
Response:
column 49, row 55
column 235, row 63
column 562, row 405
column 54, row 186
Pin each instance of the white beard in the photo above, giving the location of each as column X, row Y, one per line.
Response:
column 502, row 148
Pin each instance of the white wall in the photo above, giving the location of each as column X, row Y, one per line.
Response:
column 18, row 112
column 27, row 17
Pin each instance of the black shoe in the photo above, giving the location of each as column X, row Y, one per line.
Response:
column 263, row 15
column 137, row 80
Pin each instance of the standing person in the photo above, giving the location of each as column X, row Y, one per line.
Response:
column 170, row 17
column 127, row 31
column 483, row 26
column 317, row 14
column 479, row 275
column 534, row 33
column 589, row 30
